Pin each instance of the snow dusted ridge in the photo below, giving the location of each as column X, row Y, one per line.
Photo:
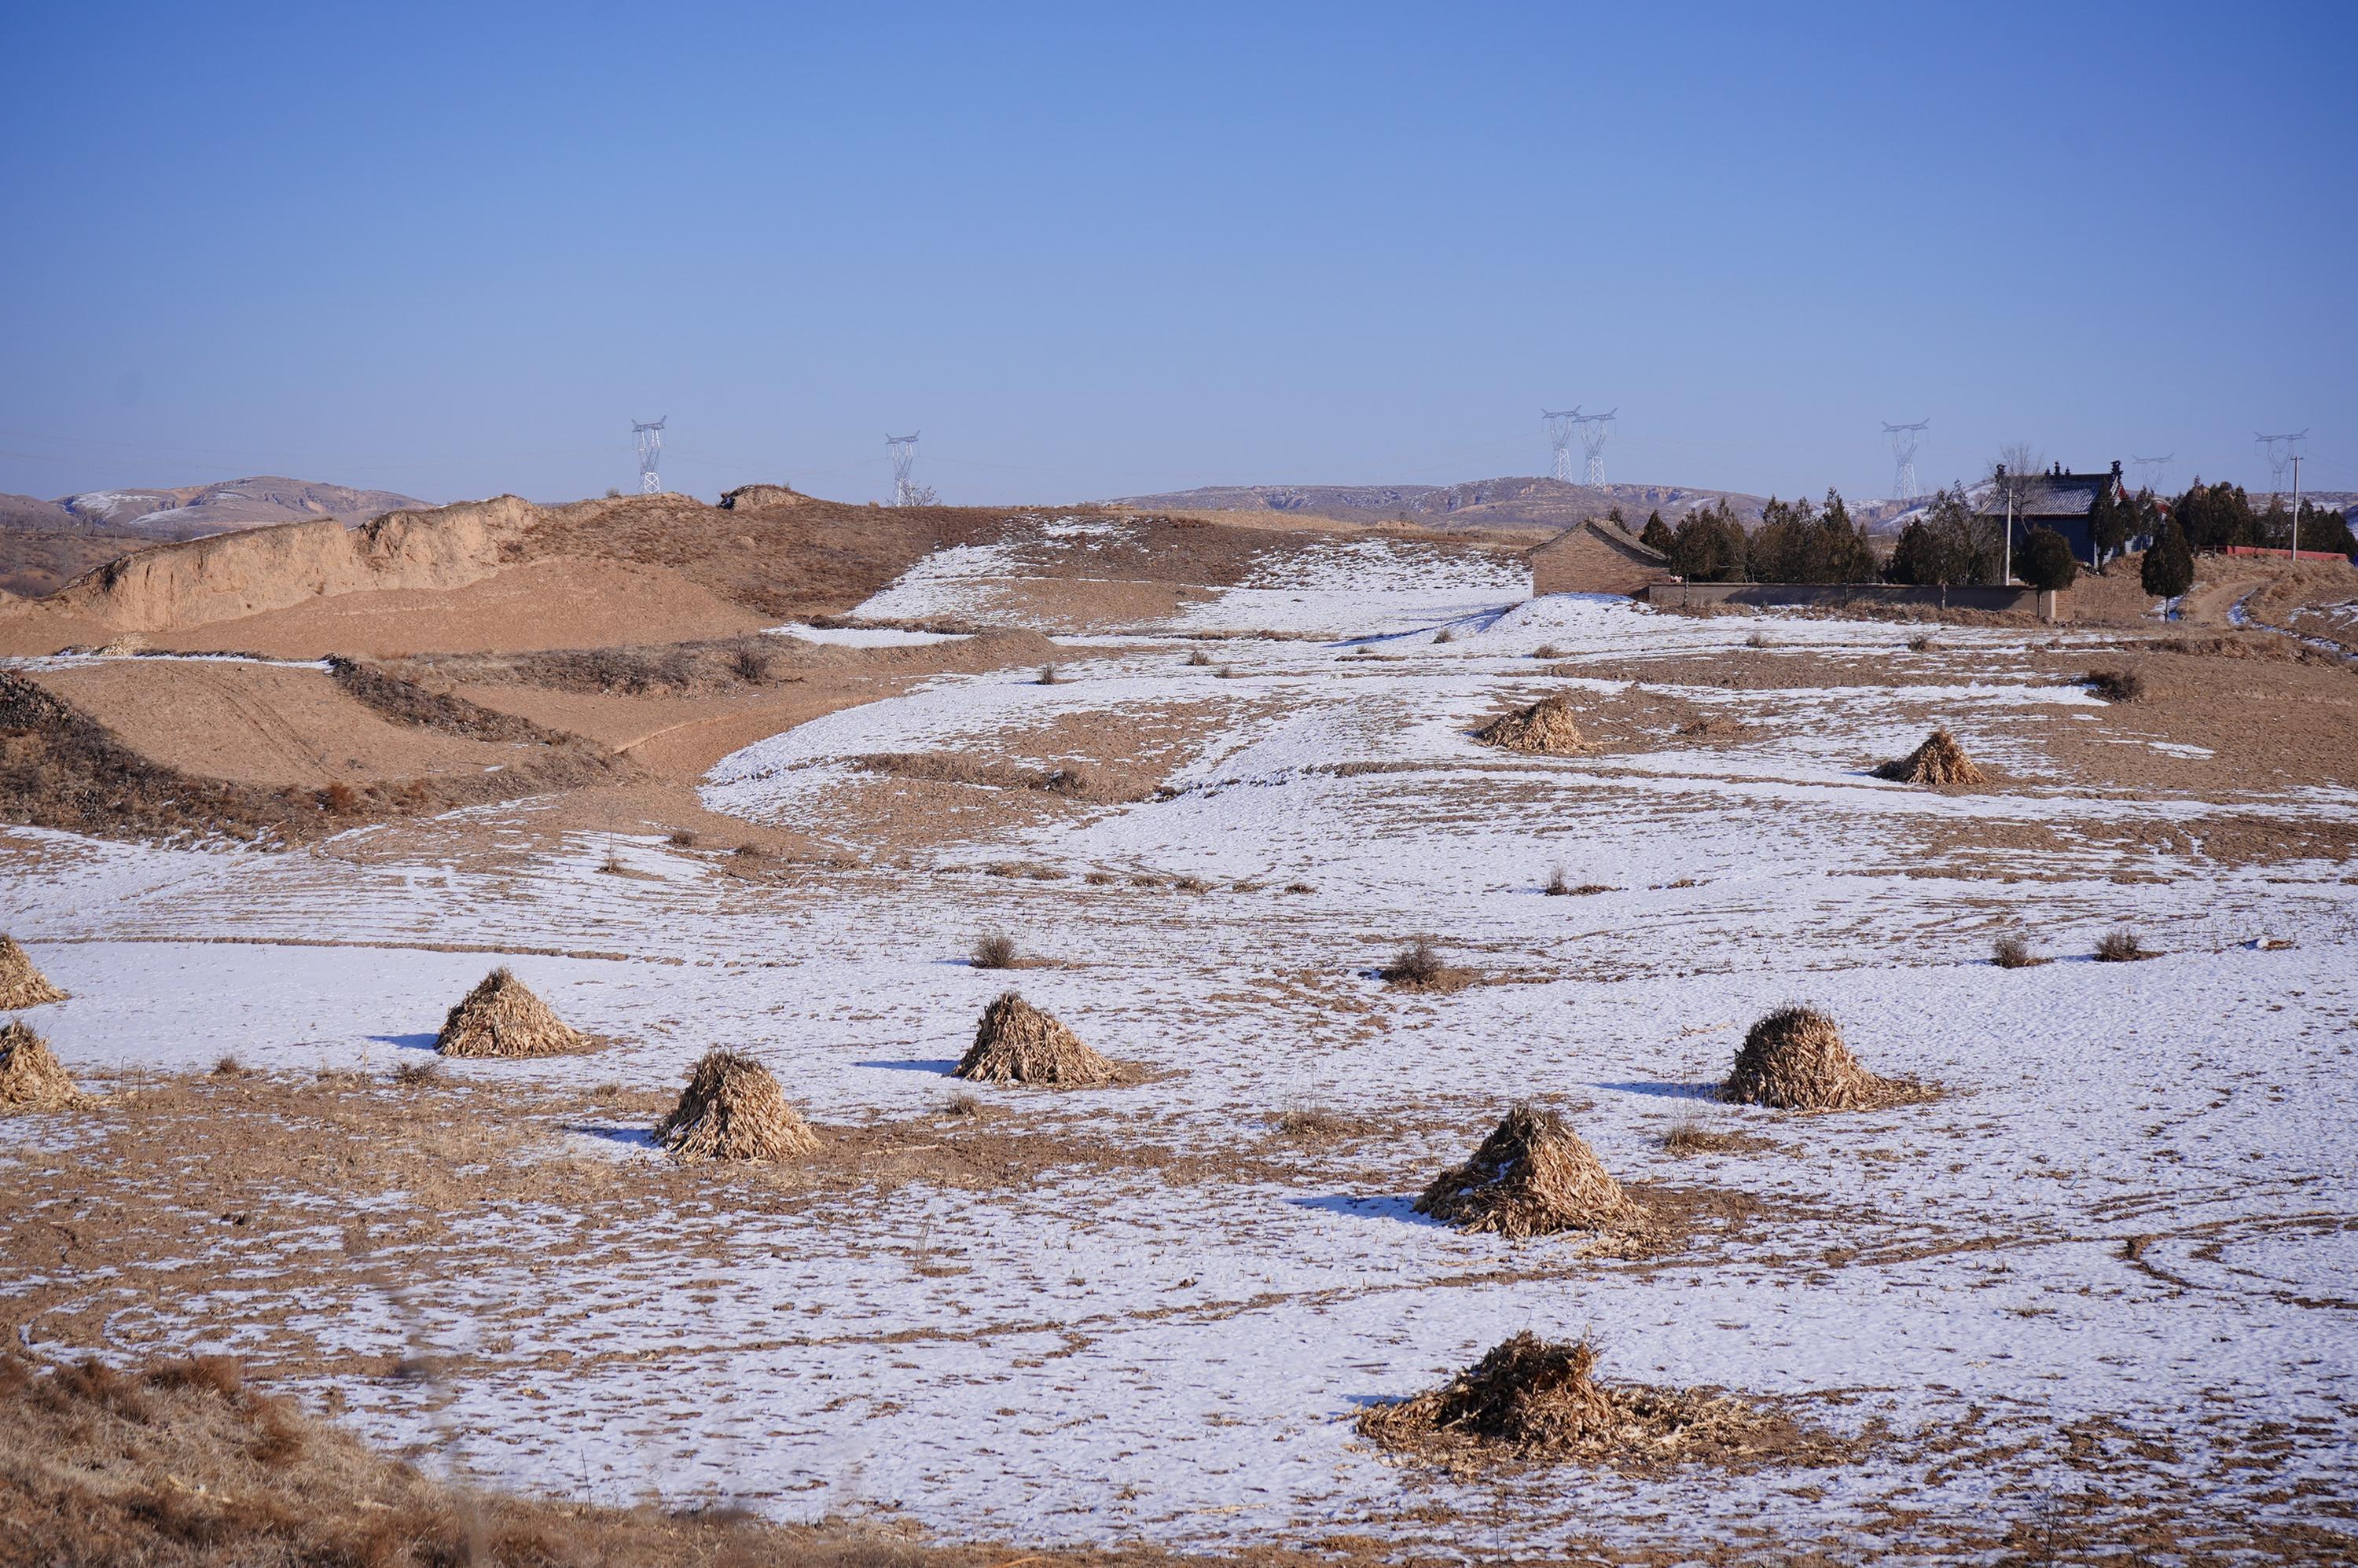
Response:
column 2129, row 1223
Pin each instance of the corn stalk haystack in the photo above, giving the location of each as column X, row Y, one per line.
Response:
column 22, row 985
column 1532, row 1175
column 1939, row 761
column 1018, row 1044
column 1535, row 1400
column 501, row 1017
column 733, row 1109
column 1545, row 728
column 1794, row 1059
column 31, row 1077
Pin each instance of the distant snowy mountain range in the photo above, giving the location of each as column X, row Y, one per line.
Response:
column 1508, row 502
column 1534, row 503
column 190, row 512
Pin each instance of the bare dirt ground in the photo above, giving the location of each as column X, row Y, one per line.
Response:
column 2092, row 1300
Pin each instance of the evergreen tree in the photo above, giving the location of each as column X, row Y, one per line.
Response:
column 2044, row 561
column 2168, row 568
column 2325, row 528
column 1709, row 545
column 2111, row 522
column 1658, row 533
column 2216, row 516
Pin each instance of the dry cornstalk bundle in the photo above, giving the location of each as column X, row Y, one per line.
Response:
column 31, row 1076
column 501, row 1017
column 1939, row 761
column 1532, row 1175
column 1018, row 1044
column 1545, row 728
column 733, row 1109
column 1534, row 1400
column 22, row 985
column 1794, row 1059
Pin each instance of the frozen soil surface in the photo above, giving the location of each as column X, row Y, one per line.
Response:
column 2104, row 1278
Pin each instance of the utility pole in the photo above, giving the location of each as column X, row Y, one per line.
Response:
column 648, row 433
column 1559, row 433
column 2292, row 552
column 1904, row 441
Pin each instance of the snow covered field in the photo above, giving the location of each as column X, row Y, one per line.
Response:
column 2116, row 1253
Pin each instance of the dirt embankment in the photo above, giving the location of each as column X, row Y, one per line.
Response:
column 144, row 749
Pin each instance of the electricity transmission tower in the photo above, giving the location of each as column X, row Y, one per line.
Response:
column 905, row 457
column 1904, row 441
column 2280, row 456
column 1559, row 434
column 2153, row 473
column 650, row 439
column 1594, row 428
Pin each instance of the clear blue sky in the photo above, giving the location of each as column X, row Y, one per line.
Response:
column 1091, row 250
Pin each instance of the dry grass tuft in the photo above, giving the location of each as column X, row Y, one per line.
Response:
column 1018, row 1044
column 1298, row 887
column 1533, row 1400
column 1533, row 1175
column 1547, row 650
column 2115, row 686
column 1562, row 886
column 418, row 1074
column 1309, row 1120
column 31, row 1076
column 22, row 985
column 501, row 1017
column 1445, row 635
column 1226, row 672
column 1690, row 1136
column 228, row 1067
column 964, row 1107
column 1795, row 1059
column 1545, row 729
column 1419, row 967
column 1939, row 761
column 1757, row 640
column 1048, row 677
column 2123, row 945
column 994, row 950
column 1198, row 658
column 682, row 838
column 1924, row 643
column 1191, row 884
column 2013, row 952
column 733, row 1109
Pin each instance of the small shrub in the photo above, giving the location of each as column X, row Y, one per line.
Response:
column 2122, row 946
column 1757, row 640
column 1445, row 635
column 418, row 1074
column 682, row 838
column 612, row 865
column 1191, row 884
column 2013, row 952
column 1300, row 887
column 2115, row 686
column 228, row 1067
column 750, row 852
column 1100, row 879
column 339, row 798
column 965, row 1107
column 1198, row 658
column 1418, row 964
column 1559, row 884
column 1048, row 675
column 1924, row 643
column 994, row 950
column 1307, row 1119
column 1547, row 650
column 1226, row 672
column 750, row 665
